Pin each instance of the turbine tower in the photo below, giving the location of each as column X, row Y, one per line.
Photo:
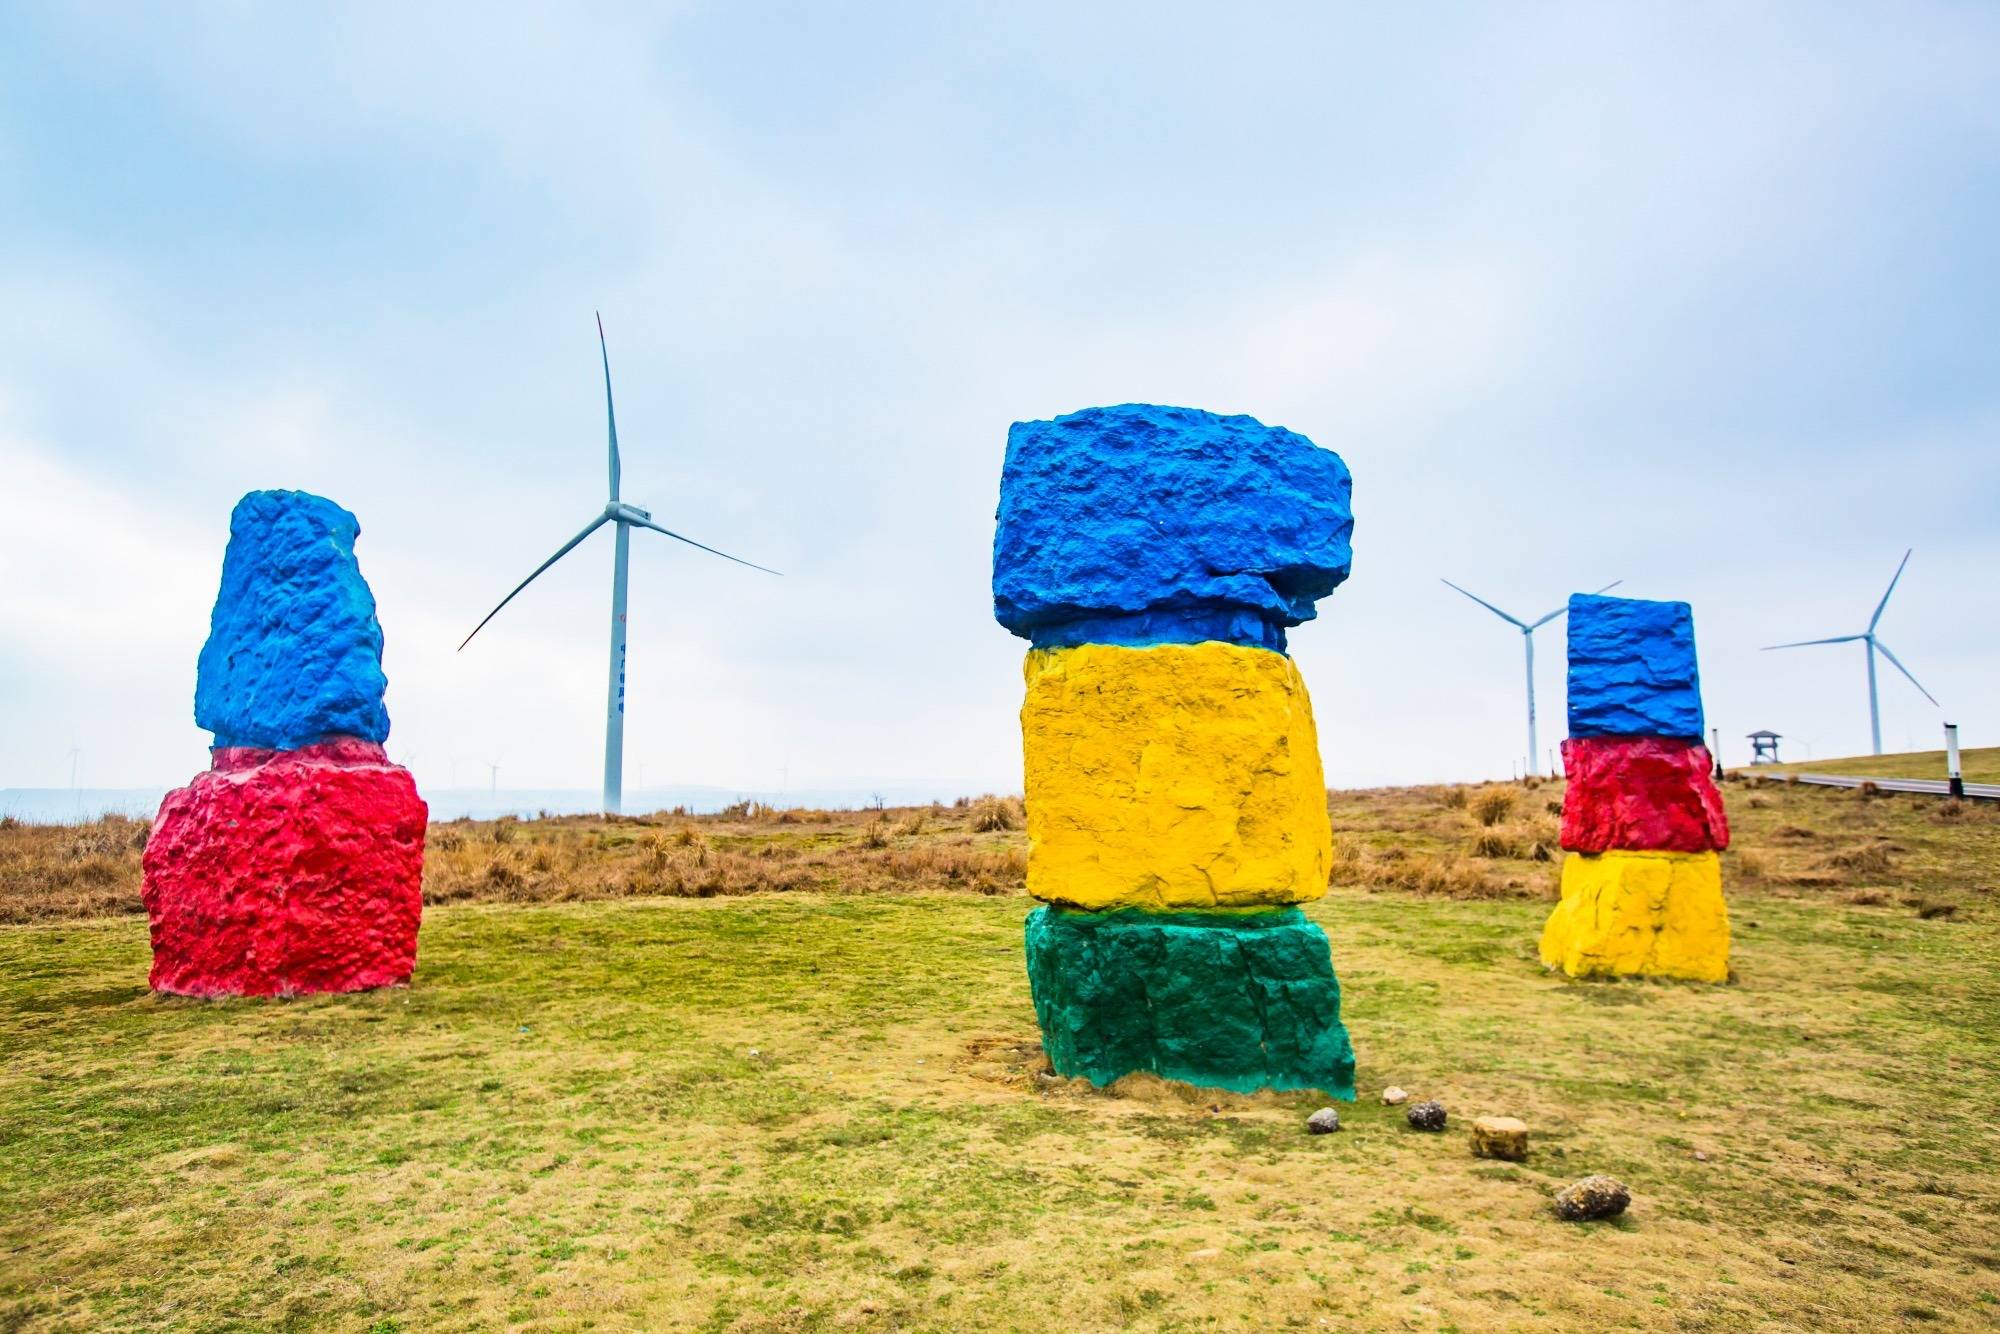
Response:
column 1875, row 646
column 625, row 517
column 1528, row 642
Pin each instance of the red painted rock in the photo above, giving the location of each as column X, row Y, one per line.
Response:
column 1641, row 794
column 278, row 872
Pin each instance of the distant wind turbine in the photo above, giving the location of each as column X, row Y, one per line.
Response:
column 1527, row 630
column 1875, row 646
column 625, row 517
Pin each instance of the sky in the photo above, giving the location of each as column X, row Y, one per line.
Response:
column 1701, row 298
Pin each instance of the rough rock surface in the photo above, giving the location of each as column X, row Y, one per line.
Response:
column 1500, row 1137
column 1166, row 525
column 1235, row 1001
column 1428, row 1115
column 1592, row 1198
column 1324, row 1121
column 1632, row 668
column 1641, row 794
column 1176, row 776
column 283, row 872
column 294, row 652
column 1650, row 914
column 1394, row 1097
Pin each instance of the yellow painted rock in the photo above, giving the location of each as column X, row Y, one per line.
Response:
column 1174, row 776
column 1653, row 914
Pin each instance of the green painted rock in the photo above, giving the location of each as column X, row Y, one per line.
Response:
column 1239, row 1001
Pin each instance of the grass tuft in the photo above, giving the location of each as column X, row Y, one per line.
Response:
column 1492, row 805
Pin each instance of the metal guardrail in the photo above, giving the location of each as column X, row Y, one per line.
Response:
column 1929, row 787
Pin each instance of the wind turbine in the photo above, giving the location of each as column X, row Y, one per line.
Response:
column 1528, row 642
column 1875, row 645
column 626, row 518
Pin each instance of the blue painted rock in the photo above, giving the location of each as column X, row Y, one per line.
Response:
column 1632, row 668
column 294, row 652
column 1148, row 525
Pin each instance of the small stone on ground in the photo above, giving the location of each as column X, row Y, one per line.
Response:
column 1324, row 1121
column 1500, row 1137
column 1427, row 1115
column 1592, row 1198
column 1393, row 1095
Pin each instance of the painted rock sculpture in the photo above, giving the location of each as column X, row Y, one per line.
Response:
column 295, row 863
column 1155, row 558
column 1642, row 820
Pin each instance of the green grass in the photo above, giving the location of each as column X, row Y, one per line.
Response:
column 804, row 1111
column 1980, row 765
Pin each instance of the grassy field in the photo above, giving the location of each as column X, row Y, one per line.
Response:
column 671, row 1080
column 1981, row 765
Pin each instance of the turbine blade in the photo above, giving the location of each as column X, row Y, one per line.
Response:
column 610, row 417
column 1565, row 606
column 1885, row 597
column 648, row 523
column 1883, row 649
column 562, row 551
column 1805, row 643
column 1483, row 602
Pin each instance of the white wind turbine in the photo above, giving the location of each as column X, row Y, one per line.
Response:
column 1527, row 630
column 625, row 517
column 1874, row 646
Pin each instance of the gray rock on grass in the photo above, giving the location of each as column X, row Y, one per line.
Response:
column 1592, row 1198
column 1324, row 1121
column 1427, row 1115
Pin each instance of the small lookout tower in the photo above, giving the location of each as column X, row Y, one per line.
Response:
column 1763, row 747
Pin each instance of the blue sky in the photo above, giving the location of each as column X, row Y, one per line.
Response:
column 1696, row 297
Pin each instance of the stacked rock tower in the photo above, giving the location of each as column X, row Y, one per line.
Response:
column 1642, row 820
column 295, row 863
column 1155, row 557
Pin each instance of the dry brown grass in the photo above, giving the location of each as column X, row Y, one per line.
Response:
column 1492, row 805
column 1480, row 842
column 994, row 815
column 1443, row 874
column 1738, row 863
column 1533, row 840
column 1867, row 859
column 53, row 872
column 744, row 851
column 1452, row 798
